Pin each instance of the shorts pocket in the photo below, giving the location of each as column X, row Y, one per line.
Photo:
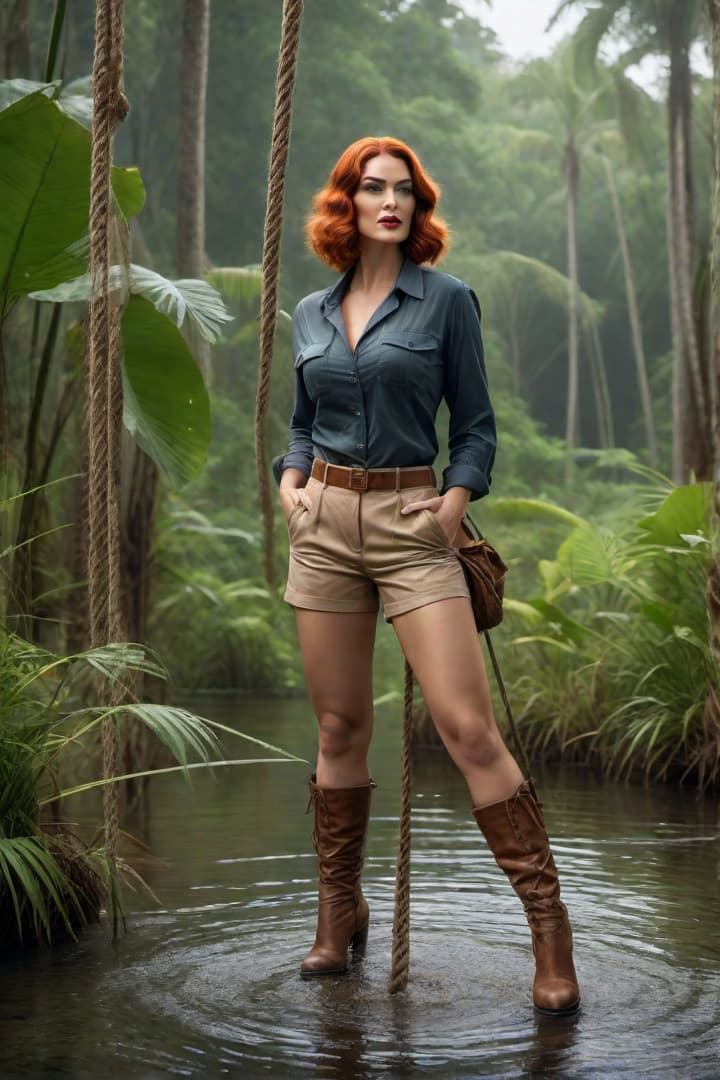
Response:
column 435, row 525
column 296, row 514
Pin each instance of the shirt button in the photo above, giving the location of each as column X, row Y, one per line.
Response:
column 353, row 379
column 357, row 412
column 359, row 446
column 411, row 344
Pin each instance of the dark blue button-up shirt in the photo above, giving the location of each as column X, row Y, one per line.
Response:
column 376, row 407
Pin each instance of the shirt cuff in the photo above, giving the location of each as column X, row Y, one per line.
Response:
column 467, row 476
column 294, row 460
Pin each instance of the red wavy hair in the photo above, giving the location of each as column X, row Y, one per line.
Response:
column 331, row 230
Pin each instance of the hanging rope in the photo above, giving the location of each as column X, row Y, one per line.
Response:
column 401, row 919
column 287, row 62
column 103, row 386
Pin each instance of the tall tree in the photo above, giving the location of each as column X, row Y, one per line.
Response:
column 668, row 28
column 633, row 309
column 711, row 715
column 15, row 38
column 191, row 171
column 556, row 80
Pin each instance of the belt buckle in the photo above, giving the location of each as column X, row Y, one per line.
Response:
column 358, row 479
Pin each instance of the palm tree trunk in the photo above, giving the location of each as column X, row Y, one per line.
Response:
column 633, row 314
column 191, row 172
column 572, row 172
column 679, row 389
column 691, row 423
column 601, row 390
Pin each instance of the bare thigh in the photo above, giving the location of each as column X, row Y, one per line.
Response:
column 337, row 652
column 442, row 646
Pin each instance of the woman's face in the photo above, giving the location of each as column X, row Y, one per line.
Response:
column 385, row 201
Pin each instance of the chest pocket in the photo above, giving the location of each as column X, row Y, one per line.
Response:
column 406, row 356
column 311, row 359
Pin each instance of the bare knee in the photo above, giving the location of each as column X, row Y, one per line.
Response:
column 474, row 743
column 340, row 735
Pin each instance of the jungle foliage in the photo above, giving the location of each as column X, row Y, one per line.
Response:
column 595, row 660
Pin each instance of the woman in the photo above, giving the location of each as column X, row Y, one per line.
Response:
column 374, row 356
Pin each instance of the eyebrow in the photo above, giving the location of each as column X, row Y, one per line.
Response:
column 379, row 180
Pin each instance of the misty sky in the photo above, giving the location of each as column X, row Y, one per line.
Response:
column 520, row 26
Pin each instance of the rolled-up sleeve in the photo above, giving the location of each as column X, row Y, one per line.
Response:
column 472, row 437
column 300, row 450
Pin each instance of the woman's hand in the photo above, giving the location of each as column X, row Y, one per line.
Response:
column 291, row 491
column 449, row 510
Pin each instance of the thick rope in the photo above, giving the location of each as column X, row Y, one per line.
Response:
column 287, row 62
column 401, row 919
column 103, row 385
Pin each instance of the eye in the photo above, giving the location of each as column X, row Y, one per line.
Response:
column 405, row 191
column 371, row 187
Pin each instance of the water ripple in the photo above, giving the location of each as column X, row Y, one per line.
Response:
column 229, row 974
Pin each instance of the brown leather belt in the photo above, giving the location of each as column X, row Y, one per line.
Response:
column 372, row 479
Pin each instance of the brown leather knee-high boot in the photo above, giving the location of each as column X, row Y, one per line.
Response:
column 341, row 821
column 516, row 834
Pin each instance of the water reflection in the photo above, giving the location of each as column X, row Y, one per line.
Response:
column 207, row 985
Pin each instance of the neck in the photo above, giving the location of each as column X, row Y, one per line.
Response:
column 378, row 267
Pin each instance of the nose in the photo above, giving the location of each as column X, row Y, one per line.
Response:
column 389, row 199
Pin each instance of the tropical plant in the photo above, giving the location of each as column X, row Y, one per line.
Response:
column 43, row 256
column 619, row 637
column 51, row 882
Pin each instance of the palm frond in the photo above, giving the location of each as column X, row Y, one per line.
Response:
column 243, row 283
column 189, row 298
column 37, row 886
column 91, row 785
column 514, row 509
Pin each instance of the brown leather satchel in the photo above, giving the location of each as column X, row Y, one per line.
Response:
column 485, row 574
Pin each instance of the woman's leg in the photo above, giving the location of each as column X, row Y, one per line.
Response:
column 337, row 655
column 337, row 651
column 443, row 648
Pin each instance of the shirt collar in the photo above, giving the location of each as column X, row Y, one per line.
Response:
column 409, row 281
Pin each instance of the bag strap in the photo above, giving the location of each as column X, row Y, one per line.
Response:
column 522, row 753
column 519, row 744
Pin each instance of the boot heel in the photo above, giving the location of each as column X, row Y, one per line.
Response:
column 358, row 942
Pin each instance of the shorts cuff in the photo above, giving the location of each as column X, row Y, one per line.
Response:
column 401, row 607
column 324, row 603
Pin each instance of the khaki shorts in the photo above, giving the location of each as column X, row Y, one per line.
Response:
column 349, row 549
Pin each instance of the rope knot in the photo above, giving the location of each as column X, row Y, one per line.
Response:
column 121, row 107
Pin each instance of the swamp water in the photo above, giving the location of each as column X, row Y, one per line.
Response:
column 206, row 984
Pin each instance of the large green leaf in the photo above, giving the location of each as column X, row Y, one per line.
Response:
column 686, row 510
column 585, row 557
column 197, row 300
column 74, row 98
column 44, row 195
column 12, row 90
column 515, row 509
column 193, row 302
column 128, row 189
column 166, row 403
